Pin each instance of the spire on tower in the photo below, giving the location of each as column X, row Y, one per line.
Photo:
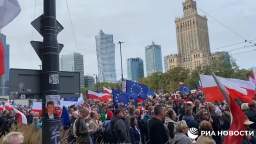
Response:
column 189, row 7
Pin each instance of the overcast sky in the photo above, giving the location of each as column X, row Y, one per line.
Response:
column 137, row 22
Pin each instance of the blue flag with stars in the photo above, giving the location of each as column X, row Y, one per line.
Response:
column 137, row 90
column 120, row 97
column 184, row 90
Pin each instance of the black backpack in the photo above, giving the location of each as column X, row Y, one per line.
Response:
column 171, row 129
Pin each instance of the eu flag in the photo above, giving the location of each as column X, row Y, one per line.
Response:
column 184, row 90
column 120, row 97
column 65, row 118
column 137, row 90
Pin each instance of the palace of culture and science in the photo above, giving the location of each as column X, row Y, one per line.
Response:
column 192, row 40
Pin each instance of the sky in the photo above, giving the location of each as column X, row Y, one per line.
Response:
column 136, row 22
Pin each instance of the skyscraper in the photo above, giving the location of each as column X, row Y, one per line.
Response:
column 192, row 39
column 135, row 69
column 4, row 80
column 89, row 82
column 105, row 48
column 153, row 59
column 73, row 62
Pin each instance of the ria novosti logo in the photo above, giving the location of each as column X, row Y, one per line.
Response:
column 193, row 133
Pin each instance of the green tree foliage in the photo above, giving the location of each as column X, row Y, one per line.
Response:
column 169, row 81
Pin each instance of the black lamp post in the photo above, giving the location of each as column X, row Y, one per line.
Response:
column 48, row 51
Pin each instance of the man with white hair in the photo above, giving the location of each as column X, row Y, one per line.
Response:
column 13, row 138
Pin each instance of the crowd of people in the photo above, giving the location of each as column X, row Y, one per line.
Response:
column 163, row 119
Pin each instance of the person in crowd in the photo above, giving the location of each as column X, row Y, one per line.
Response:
column 82, row 129
column 13, row 138
column 216, row 121
column 120, row 127
column 29, row 117
column 157, row 130
column 181, row 131
column 189, row 118
column 134, row 131
column 196, row 108
column 170, row 123
column 205, row 139
column 95, row 125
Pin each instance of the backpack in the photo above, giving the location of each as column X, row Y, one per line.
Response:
column 171, row 129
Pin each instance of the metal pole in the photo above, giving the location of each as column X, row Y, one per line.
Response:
column 48, row 51
column 121, row 56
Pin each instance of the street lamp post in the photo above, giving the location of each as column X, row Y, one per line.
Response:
column 121, row 57
column 48, row 51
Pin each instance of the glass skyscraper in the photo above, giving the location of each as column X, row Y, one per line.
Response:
column 153, row 56
column 4, row 80
column 135, row 69
column 75, row 63
column 105, row 48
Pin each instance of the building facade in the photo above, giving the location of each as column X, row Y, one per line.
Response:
column 89, row 82
column 153, row 55
column 4, row 80
column 192, row 39
column 171, row 61
column 74, row 63
column 105, row 49
column 135, row 69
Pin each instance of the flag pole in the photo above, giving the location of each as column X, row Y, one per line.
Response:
column 225, row 94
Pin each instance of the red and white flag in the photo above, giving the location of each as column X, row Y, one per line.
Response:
column 21, row 118
column 104, row 97
column 107, row 91
column 9, row 9
column 238, row 89
column 238, row 117
column 37, row 107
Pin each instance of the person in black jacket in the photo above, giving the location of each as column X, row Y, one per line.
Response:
column 157, row 130
column 120, row 127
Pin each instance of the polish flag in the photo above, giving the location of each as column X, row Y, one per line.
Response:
column 21, row 118
column 107, row 91
column 104, row 97
column 238, row 118
column 37, row 107
column 238, row 89
column 9, row 9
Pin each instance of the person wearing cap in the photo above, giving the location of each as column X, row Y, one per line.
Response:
column 205, row 139
column 181, row 137
column 157, row 130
